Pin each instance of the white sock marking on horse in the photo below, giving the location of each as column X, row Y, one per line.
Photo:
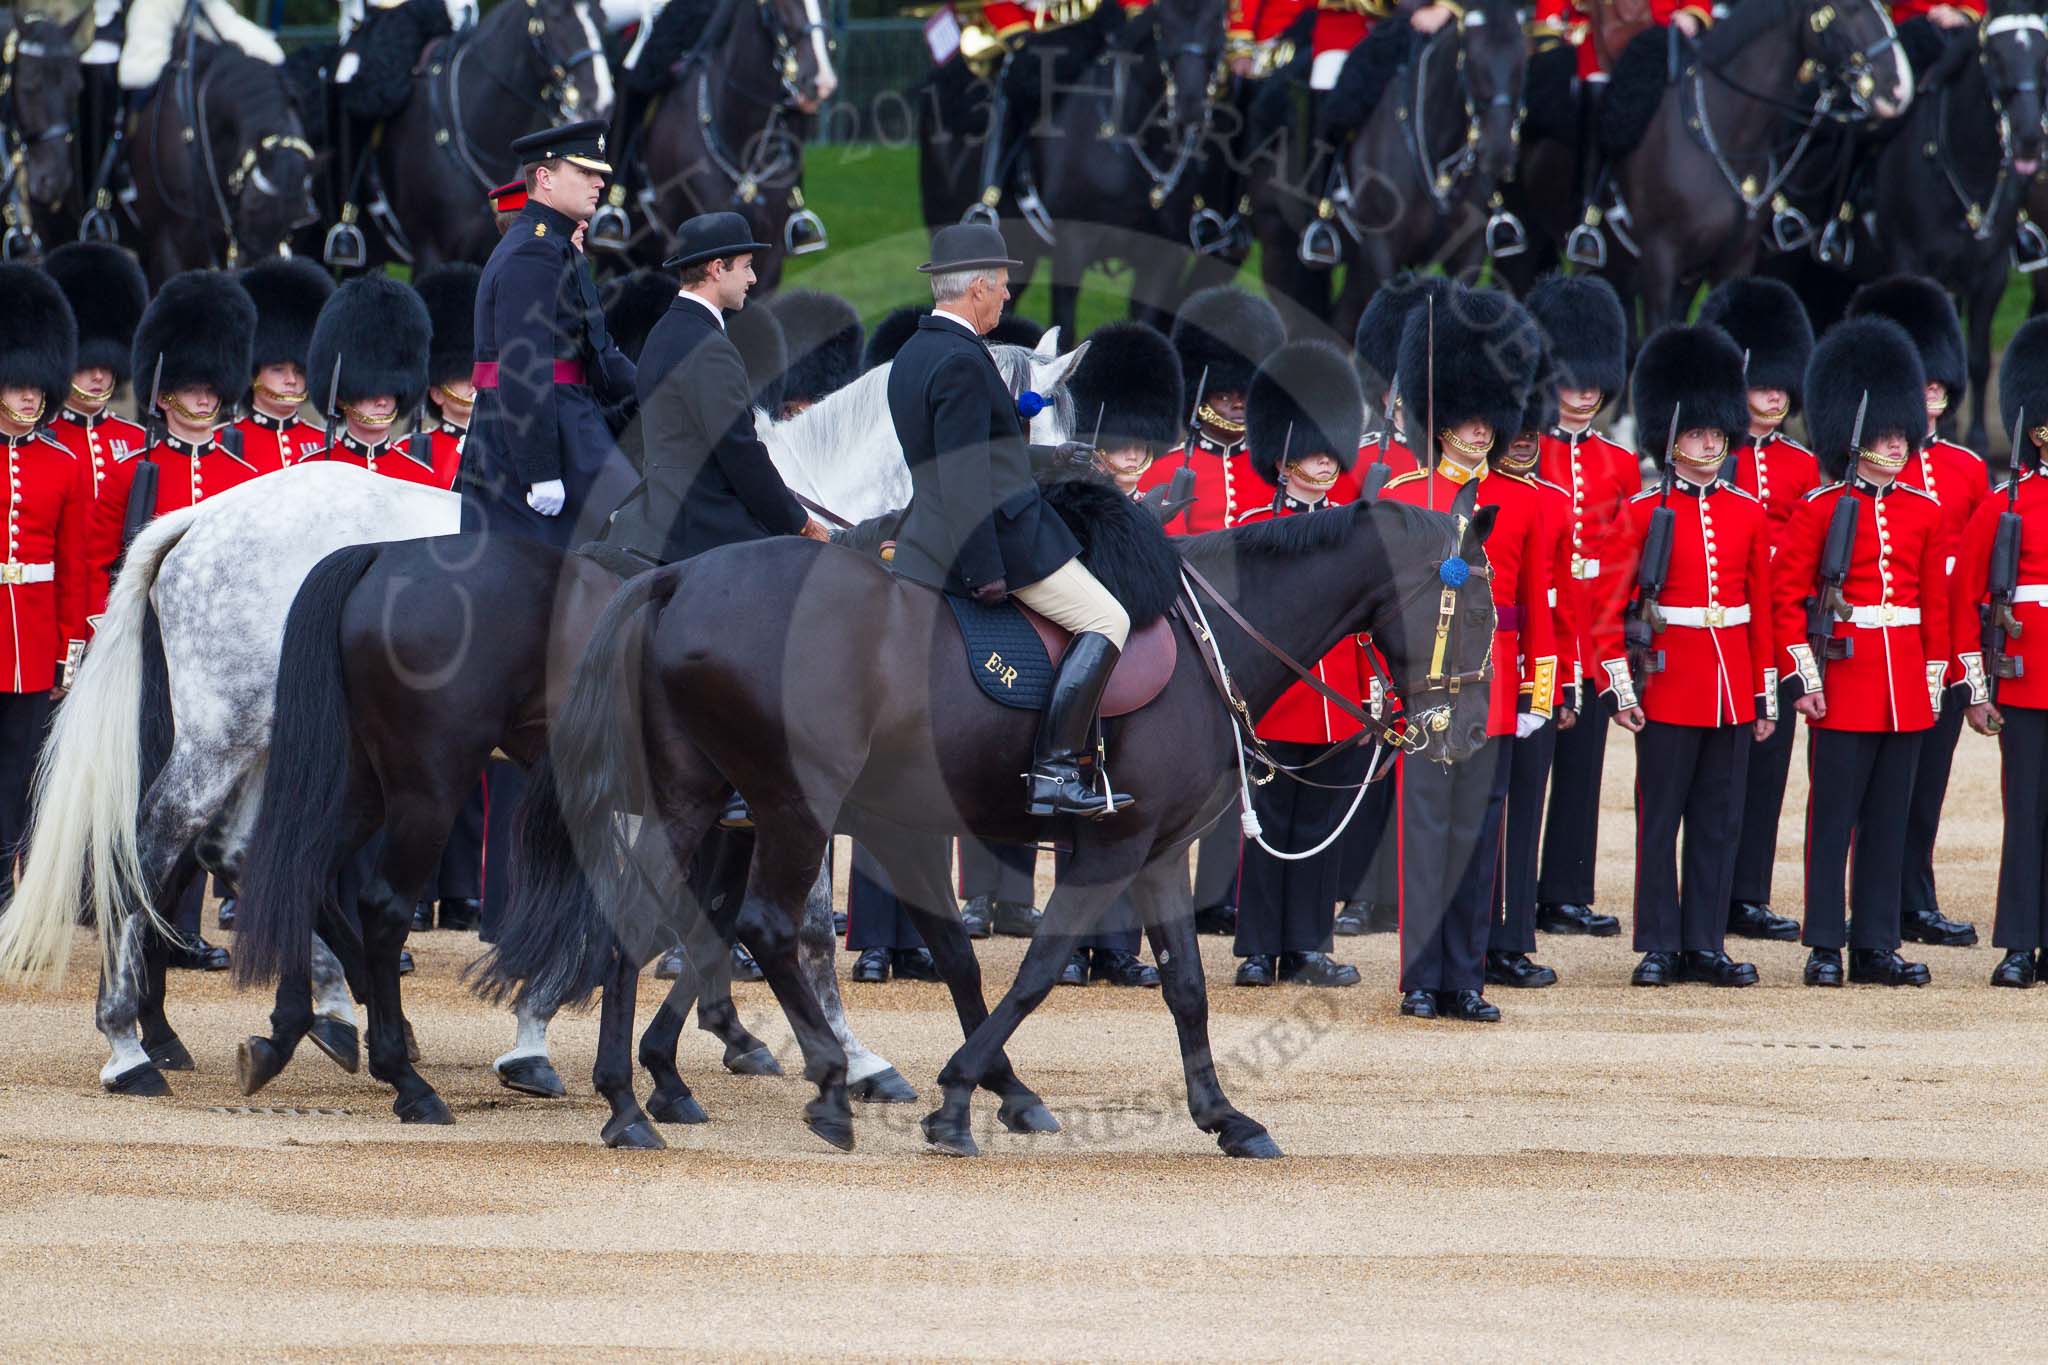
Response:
column 816, row 948
column 331, row 999
column 531, row 1039
column 128, row 1055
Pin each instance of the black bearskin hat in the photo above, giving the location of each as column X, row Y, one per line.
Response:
column 1012, row 329
column 1765, row 318
column 1130, row 378
column 1866, row 355
column 1582, row 316
column 449, row 291
column 758, row 336
column 1305, row 400
column 888, row 337
column 1928, row 314
column 633, row 304
column 1694, row 373
column 824, row 338
column 2023, row 385
column 38, row 335
column 199, row 325
column 107, row 292
column 289, row 292
column 1541, row 412
column 377, row 330
column 1378, row 339
column 1227, row 332
column 1487, row 349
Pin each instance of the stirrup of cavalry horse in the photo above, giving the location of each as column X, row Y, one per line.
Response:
column 803, row 232
column 1791, row 230
column 1505, row 235
column 344, row 248
column 19, row 243
column 1585, row 246
column 609, row 229
column 2030, row 246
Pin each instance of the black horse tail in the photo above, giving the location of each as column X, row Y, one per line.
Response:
column 288, row 873
column 556, row 939
column 155, row 726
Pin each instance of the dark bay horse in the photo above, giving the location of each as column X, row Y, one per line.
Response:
column 729, row 134
column 40, row 83
column 223, row 171
column 527, row 65
column 841, row 698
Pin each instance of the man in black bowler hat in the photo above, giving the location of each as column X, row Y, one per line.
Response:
column 977, row 525
column 709, row 481
column 539, row 449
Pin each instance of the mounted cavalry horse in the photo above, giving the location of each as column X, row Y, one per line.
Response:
column 39, row 90
column 735, row 83
column 842, row 699
column 1424, row 131
column 223, row 171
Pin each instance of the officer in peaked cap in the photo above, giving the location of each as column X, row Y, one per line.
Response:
column 545, row 363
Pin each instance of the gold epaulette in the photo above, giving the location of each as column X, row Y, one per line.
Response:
column 1410, row 477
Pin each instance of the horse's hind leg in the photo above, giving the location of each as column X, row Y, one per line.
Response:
column 612, row 1074
column 409, row 857
column 724, row 886
column 333, row 1029
column 869, row 1075
column 129, row 1069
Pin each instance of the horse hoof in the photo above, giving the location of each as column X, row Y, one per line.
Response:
column 636, row 1134
column 412, row 1046
column 884, row 1087
column 144, row 1081
column 755, row 1061
column 171, row 1055
column 676, row 1109
column 837, row 1131
column 534, row 1076
column 943, row 1134
column 1028, row 1117
column 339, row 1040
column 1258, row 1147
column 257, row 1062
column 428, row 1108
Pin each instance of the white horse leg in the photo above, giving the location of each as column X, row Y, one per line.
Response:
column 334, row 1031
column 869, row 1076
column 527, row 1068
column 129, row 1070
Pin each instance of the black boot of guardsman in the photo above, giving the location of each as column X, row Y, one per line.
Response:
column 1063, row 771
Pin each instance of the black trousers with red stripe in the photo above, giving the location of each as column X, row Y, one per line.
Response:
column 1514, row 889
column 1930, row 790
column 1862, row 783
column 1571, row 835
column 2023, row 860
column 1695, row 780
column 1449, row 846
column 23, row 718
column 1763, row 801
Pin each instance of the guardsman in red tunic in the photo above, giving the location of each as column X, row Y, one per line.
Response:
column 1223, row 335
column 2017, row 713
column 289, row 292
column 374, row 335
column 1448, row 831
column 1303, row 415
column 44, row 581
column 107, row 293
column 1873, row 691
column 1252, row 29
column 1766, row 319
column 1513, row 936
column 1958, row 480
column 1941, row 13
column 449, row 291
column 1697, row 685
column 1588, row 338
column 193, row 351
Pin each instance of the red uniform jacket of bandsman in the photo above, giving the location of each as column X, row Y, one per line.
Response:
column 1342, row 24
column 1556, row 506
column 390, row 458
column 1225, row 486
column 49, row 494
column 107, row 448
column 1260, row 21
column 1903, row 10
column 1520, row 555
column 193, row 473
column 1958, row 480
column 448, row 442
column 1720, row 560
column 1303, row 715
column 1569, row 19
column 1009, row 18
column 272, row 444
column 1969, row 590
column 1898, row 564
column 1599, row 477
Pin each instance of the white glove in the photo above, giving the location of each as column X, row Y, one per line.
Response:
column 1528, row 723
column 547, row 498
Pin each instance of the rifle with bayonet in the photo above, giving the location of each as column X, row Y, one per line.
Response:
column 1828, row 604
column 1376, row 476
column 1173, row 497
column 1999, row 626
column 1645, row 622
column 142, row 488
column 332, row 412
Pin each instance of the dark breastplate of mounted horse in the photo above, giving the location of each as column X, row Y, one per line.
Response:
column 1011, row 651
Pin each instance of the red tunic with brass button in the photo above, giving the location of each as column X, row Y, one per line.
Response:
column 1969, row 589
column 1902, row 10
column 1557, row 527
column 1226, row 486
column 1260, row 21
column 391, row 458
column 1716, row 671
column 1959, row 481
column 448, row 442
column 1897, row 574
column 1599, row 477
column 1302, row 715
column 1342, row 24
column 45, row 580
column 274, row 443
column 1350, row 485
column 1779, row 472
column 193, row 472
column 1570, row 17
column 1519, row 554
column 106, row 448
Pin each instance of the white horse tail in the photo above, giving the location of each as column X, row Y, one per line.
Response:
column 89, row 779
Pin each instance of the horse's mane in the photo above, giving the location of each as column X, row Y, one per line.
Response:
column 1746, row 22
column 1015, row 363
column 1286, row 537
column 814, row 436
column 261, row 97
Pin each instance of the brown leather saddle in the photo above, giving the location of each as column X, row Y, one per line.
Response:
column 1140, row 673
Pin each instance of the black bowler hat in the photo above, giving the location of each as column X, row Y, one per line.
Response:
column 580, row 144
column 968, row 246
column 709, row 236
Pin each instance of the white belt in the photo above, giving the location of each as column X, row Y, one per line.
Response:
column 2037, row 593
column 12, row 572
column 1585, row 568
column 1872, row 617
column 1737, row 615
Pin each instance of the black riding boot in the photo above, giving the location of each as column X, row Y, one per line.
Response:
column 1063, row 778
column 1586, row 245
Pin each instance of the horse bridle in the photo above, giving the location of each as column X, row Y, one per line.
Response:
column 17, row 226
column 560, row 87
column 1165, row 180
column 786, row 39
column 1442, row 177
column 1982, row 219
column 247, row 171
